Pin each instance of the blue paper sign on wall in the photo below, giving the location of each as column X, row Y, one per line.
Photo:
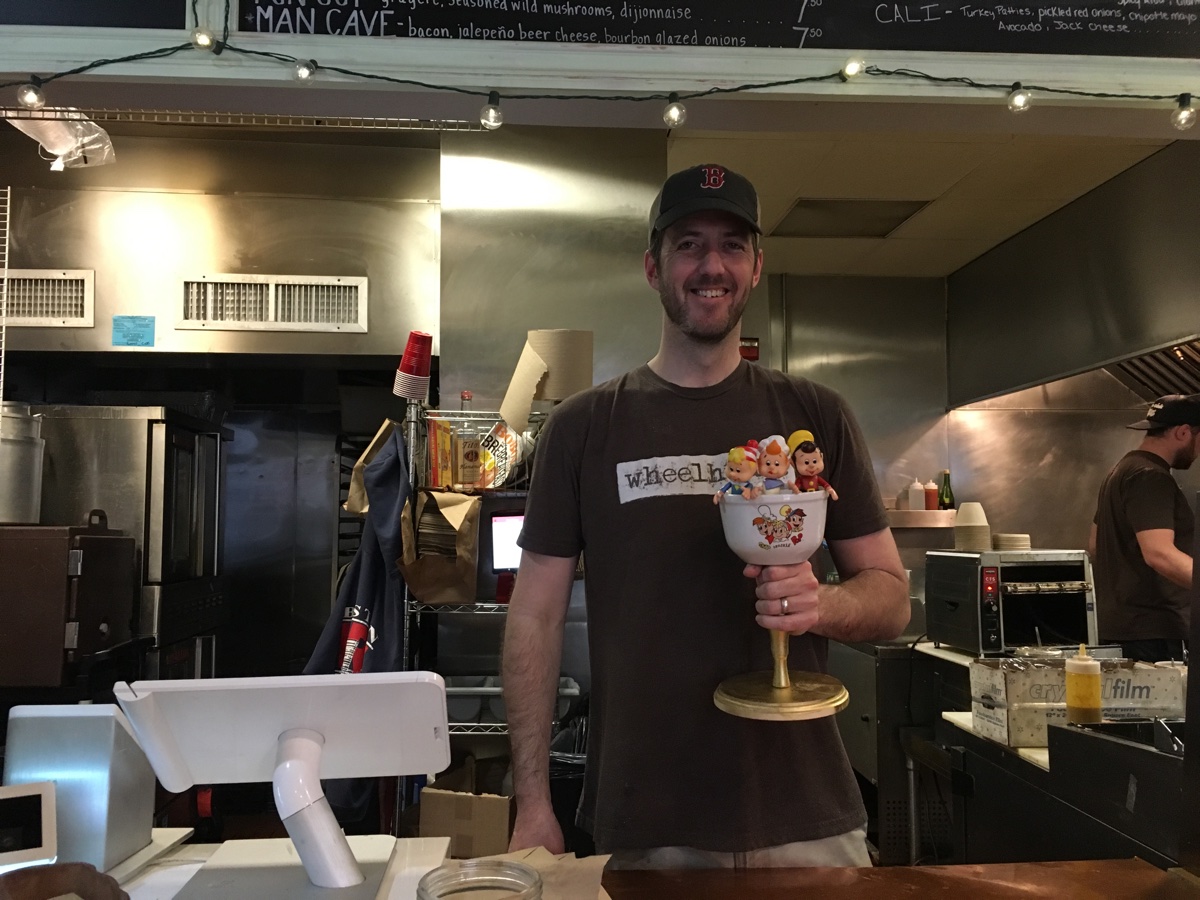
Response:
column 133, row 331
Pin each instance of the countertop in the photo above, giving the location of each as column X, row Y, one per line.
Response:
column 1108, row 879
column 1039, row 756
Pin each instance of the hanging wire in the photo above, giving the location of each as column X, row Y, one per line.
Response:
column 223, row 44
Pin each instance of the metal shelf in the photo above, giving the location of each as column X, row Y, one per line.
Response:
column 493, row 608
column 478, row 728
column 921, row 518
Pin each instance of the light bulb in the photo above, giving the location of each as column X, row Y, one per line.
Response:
column 203, row 39
column 1184, row 116
column 675, row 113
column 58, row 165
column 1019, row 99
column 30, row 96
column 305, row 72
column 490, row 117
column 853, row 67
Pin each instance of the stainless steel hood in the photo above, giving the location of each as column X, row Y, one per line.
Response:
column 1174, row 369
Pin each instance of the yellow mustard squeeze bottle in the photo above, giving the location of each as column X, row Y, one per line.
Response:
column 1083, row 688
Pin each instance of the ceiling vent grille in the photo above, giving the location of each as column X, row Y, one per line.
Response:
column 1170, row 370
column 51, row 298
column 275, row 303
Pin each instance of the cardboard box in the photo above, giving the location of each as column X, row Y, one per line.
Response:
column 1012, row 700
column 477, row 824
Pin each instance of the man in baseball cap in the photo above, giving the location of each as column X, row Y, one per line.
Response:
column 1141, row 538
column 628, row 468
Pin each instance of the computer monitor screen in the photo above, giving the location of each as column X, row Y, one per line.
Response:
column 506, row 554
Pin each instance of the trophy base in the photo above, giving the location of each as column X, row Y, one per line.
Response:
column 811, row 695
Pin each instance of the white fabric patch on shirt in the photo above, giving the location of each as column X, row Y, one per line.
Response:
column 666, row 476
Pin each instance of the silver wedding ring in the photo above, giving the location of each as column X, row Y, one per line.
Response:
column 783, row 606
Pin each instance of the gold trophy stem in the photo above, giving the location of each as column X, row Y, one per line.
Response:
column 779, row 652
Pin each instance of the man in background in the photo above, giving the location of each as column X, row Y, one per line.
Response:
column 1141, row 537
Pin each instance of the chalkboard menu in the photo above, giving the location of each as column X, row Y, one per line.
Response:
column 96, row 13
column 1168, row 28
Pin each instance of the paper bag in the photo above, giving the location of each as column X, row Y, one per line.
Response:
column 437, row 579
column 356, row 499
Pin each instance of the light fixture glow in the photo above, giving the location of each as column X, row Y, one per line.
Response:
column 30, row 96
column 1183, row 116
column 1019, row 99
column 58, row 165
column 203, row 39
column 490, row 117
column 304, row 72
column 853, row 67
column 675, row 113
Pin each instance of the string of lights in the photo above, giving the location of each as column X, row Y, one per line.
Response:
column 1019, row 96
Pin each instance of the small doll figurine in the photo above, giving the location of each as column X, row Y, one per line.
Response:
column 809, row 463
column 773, row 465
column 741, row 467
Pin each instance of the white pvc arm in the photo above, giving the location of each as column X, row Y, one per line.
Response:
column 319, row 840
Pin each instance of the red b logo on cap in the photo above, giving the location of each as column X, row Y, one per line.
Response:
column 714, row 178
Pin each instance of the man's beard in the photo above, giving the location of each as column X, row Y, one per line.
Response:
column 677, row 312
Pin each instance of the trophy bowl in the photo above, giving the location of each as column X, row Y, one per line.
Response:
column 778, row 530
column 774, row 529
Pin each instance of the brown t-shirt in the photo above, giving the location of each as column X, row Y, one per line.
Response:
column 625, row 473
column 1133, row 602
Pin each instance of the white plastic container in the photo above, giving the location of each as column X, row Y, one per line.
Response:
column 916, row 495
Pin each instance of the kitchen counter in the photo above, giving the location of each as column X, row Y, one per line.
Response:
column 1110, row 879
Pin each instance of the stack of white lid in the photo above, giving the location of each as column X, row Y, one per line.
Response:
column 1010, row 542
column 971, row 529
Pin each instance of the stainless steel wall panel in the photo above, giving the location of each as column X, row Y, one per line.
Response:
column 1111, row 275
column 177, row 208
column 880, row 342
column 1035, row 459
column 545, row 228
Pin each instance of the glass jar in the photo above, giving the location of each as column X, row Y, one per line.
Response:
column 502, row 879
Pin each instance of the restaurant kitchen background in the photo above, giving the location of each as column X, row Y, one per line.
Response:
column 1016, row 371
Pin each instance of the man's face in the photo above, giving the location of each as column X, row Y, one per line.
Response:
column 704, row 275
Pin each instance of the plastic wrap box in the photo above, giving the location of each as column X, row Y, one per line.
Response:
column 1012, row 700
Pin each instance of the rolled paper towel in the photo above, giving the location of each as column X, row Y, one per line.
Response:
column 555, row 363
column 568, row 358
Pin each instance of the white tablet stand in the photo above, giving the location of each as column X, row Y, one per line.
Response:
column 293, row 731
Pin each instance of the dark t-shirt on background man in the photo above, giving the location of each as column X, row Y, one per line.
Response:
column 625, row 473
column 1133, row 602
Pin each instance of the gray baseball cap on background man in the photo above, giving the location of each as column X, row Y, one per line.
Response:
column 1171, row 410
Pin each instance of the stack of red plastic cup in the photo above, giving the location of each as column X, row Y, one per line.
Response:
column 412, row 377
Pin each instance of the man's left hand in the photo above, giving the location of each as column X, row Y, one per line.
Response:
column 787, row 597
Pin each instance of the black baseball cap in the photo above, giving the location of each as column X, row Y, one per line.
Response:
column 703, row 188
column 1171, row 410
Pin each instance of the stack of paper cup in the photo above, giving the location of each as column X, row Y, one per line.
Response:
column 412, row 376
column 971, row 529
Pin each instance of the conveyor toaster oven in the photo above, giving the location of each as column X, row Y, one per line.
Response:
column 991, row 603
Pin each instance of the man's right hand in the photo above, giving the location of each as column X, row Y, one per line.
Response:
column 536, row 826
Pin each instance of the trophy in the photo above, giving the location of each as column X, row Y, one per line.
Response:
column 772, row 529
